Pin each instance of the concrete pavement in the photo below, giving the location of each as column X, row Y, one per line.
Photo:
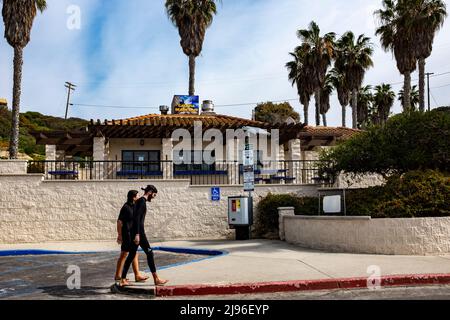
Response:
column 257, row 261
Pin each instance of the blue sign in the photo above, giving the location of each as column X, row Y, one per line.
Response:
column 215, row 194
column 186, row 105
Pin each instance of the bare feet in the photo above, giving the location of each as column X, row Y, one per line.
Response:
column 124, row 283
column 160, row 282
column 140, row 278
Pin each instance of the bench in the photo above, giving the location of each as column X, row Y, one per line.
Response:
column 64, row 173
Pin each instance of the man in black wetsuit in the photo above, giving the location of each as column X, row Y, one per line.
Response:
column 139, row 237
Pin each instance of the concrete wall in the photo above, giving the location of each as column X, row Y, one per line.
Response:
column 33, row 210
column 420, row 236
column 13, row 166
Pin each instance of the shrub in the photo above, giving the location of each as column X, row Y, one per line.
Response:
column 268, row 210
column 414, row 141
column 415, row 194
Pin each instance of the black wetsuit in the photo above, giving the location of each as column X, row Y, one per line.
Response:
column 126, row 217
column 140, row 211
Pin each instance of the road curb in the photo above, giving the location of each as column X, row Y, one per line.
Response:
column 301, row 285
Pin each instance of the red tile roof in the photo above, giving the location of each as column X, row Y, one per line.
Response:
column 178, row 120
column 338, row 132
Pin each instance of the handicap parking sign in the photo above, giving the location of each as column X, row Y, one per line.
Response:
column 215, row 194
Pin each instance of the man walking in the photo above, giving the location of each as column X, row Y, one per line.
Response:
column 140, row 238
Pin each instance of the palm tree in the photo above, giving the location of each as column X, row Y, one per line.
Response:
column 397, row 35
column 340, row 84
column 353, row 59
column 429, row 17
column 18, row 17
column 298, row 75
column 325, row 94
column 318, row 57
column 364, row 104
column 383, row 100
column 414, row 97
column 192, row 18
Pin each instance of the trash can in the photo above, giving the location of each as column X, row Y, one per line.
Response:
column 240, row 216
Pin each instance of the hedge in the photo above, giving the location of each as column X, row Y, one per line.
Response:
column 412, row 195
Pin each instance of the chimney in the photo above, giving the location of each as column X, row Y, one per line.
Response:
column 208, row 107
column 164, row 110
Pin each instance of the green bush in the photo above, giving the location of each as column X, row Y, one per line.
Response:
column 415, row 194
column 414, row 141
column 268, row 210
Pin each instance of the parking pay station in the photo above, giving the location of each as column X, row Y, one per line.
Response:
column 240, row 216
column 240, row 208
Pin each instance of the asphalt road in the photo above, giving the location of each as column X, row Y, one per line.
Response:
column 45, row 277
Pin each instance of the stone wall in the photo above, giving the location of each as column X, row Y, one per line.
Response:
column 418, row 236
column 33, row 210
column 13, row 166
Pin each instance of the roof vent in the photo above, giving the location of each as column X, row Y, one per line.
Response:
column 164, row 110
column 208, row 107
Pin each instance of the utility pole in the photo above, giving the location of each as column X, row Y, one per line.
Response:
column 428, row 74
column 70, row 87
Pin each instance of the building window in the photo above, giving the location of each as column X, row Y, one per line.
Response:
column 188, row 162
column 142, row 161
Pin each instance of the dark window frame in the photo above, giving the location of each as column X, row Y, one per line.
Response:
column 146, row 166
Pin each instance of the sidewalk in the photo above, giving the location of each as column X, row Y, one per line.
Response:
column 262, row 261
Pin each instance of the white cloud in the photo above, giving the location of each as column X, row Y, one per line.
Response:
column 128, row 53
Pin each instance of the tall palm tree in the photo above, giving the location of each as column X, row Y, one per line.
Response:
column 343, row 92
column 364, row 104
column 429, row 17
column 320, row 54
column 397, row 35
column 18, row 17
column 353, row 59
column 414, row 97
column 325, row 94
column 383, row 100
column 192, row 18
column 298, row 75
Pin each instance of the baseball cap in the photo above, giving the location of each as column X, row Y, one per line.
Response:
column 150, row 188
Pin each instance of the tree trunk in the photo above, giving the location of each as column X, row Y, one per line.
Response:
column 191, row 75
column 407, row 92
column 422, row 85
column 317, row 98
column 305, row 112
column 14, row 138
column 344, row 116
column 324, row 119
column 355, row 108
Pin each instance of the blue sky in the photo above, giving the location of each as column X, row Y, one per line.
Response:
column 127, row 53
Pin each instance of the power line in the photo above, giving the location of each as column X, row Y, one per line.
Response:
column 434, row 99
column 152, row 107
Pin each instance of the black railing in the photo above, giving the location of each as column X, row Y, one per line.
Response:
column 221, row 173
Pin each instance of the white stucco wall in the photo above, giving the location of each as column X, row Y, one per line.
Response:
column 13, row 166
column 419, row 236
column 33, row 210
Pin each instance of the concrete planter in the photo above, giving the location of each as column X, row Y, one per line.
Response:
column 418, row 236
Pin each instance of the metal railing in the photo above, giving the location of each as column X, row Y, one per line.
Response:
column 221, row 173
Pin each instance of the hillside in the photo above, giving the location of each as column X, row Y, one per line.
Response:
column 33, row 121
